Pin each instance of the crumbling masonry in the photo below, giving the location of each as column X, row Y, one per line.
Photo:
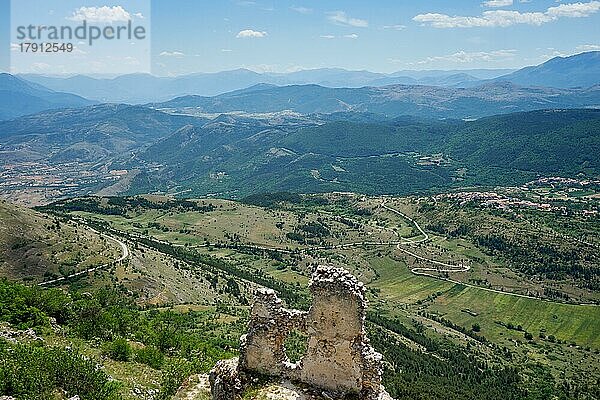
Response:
column 338, row 359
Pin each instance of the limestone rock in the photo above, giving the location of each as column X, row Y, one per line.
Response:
column 286, row 390
column 339, row 360
column 196, row 387
column 225, row 380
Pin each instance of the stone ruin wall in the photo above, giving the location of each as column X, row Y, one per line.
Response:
column 338, row 358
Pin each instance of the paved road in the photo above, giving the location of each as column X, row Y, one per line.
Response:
column 453, row 268
column 425, row 235
column 422, row 271
column 124, row 255
column 445, row 267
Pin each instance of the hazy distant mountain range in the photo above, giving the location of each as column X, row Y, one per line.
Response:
column 392, row 101
column 460, row 94
column 145, row 88
column 19, row 97
column 396, row 138
column 580, row 70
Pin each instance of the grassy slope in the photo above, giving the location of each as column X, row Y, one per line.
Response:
column 398, row 286
column 572, row 323
column 32, row 243
column 393, row 289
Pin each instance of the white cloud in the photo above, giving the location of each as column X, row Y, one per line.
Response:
column 302, row 10
column 463, row 57
column 131, row 60
column 504, row 18
column 552, row 53
column 172, row 54
column 397, row 27
column 226, row 50
column 249, row 33
column 575, row 10
column 488, row 19
column 588, row 47
column 498, row 3
column 104, row 14
column 348, row 36
column 15, row 47
column 340, row 18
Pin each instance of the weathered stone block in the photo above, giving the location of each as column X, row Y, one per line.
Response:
column 338, row 360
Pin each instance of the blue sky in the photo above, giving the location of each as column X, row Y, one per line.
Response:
column 383, row 36
column 104, row 56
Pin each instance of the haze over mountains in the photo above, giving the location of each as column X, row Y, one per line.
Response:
column 434, row 94
column 397, row 138
column 19, row 97
column 567, row 72
column 394, row 100
column 145, row 88
column 561, row 72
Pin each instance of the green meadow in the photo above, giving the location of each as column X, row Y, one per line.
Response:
column 571, row 323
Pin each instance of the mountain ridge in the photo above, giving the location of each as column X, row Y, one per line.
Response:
column 143, row 88
column 375, row 157
column 394, row 100
column 19, row 97
column 579, row 70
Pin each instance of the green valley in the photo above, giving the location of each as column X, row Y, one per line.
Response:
column 194, row 261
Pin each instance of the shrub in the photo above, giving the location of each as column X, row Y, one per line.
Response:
column 36, row 372
column 173, row 376
column 118, row 350
column 150, row 356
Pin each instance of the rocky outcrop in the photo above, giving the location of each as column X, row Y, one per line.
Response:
column 226, row 380
column 16, row 336
column 262, row 348
column 338, row 360
column 286, row 390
